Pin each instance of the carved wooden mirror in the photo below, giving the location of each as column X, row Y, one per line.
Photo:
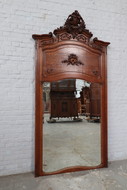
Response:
column 71, row 100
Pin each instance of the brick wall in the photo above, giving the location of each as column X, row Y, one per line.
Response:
column 18, row 21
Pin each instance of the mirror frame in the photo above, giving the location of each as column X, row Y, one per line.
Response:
column 73, row 34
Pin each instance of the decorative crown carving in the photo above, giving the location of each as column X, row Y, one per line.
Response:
column 73, row 29
column 74, row 25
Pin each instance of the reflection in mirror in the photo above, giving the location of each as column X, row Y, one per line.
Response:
column 71, row 128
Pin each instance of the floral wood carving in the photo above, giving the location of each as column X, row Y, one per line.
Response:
column 74, row 25
column 74, row 29
column 72, row 60
column 96, row 73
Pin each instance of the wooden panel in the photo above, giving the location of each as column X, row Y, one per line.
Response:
column 73, row 59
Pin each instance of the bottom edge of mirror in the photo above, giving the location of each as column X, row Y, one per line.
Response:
column 74, row 169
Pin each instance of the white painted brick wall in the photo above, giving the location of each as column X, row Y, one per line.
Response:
column 18, row 21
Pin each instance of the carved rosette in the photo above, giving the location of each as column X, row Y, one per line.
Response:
column 72, row 60
column 96, row 73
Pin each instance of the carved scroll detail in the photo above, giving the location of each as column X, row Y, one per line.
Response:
column 65, row 36
column 74, row 29
column 96, row 73
column 74, row 25
column 72, row 60
column 82, row 38
column 50, row 70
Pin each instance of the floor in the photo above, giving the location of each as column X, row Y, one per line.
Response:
column 69, row 142
column 112, row 178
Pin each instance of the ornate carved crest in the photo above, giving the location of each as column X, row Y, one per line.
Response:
column 74, row 25
column 72, row 60
column 73, row 29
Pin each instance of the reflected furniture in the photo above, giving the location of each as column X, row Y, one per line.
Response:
column 85, row 101
column 46, row 98
column 95, row 100
column 90, row 100
column 63, row 100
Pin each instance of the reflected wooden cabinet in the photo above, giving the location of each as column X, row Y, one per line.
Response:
column 63, row 100
column 90, row 100
column 95, row 101
column 85, row 101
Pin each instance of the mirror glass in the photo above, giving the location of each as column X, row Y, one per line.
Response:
column 72, row 124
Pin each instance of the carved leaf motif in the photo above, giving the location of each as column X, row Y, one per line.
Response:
column 74, row 29
column 96, row 73
column 72, row 60
column 81, row 38
column 65, row 36
column 74, row 25
column 49, row 70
